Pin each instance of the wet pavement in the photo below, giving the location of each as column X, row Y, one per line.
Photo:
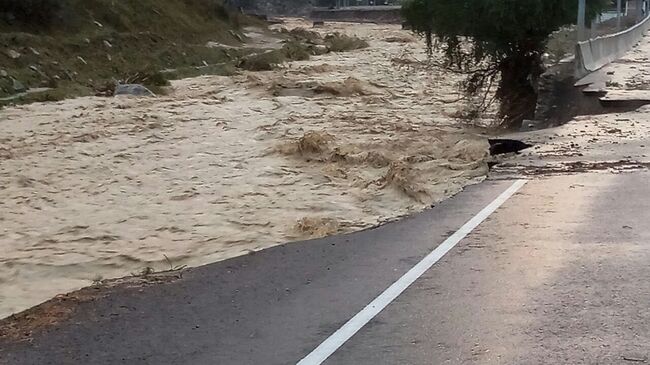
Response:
column 556, row 275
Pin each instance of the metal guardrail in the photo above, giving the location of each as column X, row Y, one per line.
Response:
column 593, row 54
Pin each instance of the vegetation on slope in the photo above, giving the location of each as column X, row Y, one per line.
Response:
column 76, row 46
column 85, row 47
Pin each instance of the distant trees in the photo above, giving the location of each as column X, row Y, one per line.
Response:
column 495, row 42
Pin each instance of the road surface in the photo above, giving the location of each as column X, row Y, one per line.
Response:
column 556, row 275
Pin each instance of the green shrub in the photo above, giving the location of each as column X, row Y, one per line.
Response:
column 296, row 51
column 266, row 61
column 338, row 42
column 305, row 35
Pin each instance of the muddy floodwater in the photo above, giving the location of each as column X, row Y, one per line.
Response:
column 95, row 188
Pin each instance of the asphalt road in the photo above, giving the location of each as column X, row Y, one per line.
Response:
column 557, row 275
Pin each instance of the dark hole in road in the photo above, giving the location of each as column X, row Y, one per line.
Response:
column 503, row 146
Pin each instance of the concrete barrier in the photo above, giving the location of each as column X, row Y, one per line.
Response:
column 359, row 14
column 593, row 54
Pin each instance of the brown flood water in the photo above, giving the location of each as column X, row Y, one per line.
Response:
column 96, row 188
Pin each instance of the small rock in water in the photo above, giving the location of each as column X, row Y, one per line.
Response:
column 3, row 73
column 320, row 49
column 530, row 125
column 133, row 89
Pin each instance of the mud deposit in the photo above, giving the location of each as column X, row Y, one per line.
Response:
column 96, row 188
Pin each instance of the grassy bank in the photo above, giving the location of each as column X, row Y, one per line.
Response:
column 83, row 47
column 76, row 47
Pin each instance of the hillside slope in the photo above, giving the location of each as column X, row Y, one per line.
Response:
column 75, row 46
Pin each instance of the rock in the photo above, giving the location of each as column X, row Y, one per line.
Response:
column 13, row 54
column 38, row 71
column 3, row 73
column 530, row 125
column 320, row 49
column 133, row 89
column 18, row 86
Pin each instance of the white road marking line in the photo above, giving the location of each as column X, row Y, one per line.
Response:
column 349, row 329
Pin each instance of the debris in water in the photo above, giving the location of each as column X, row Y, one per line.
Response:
column 315, row 227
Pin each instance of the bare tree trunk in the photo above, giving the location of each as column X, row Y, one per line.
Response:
column 517, row 90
